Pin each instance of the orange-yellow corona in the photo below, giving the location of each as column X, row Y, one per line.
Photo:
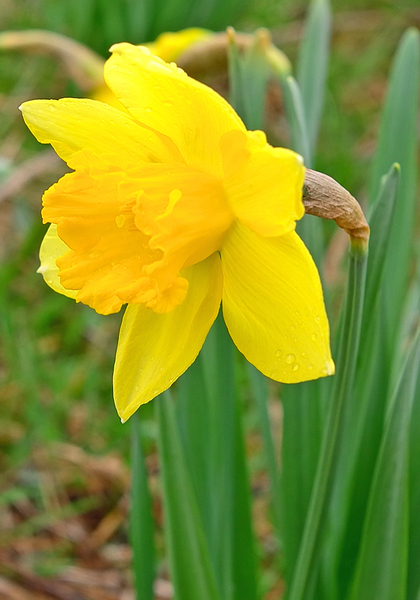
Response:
column 174, row 208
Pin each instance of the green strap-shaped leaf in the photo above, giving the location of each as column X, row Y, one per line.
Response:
column 364, row 416
column 295, row 113
column 193, row 416
column 314, row 530
column 313, row 65
column 380, row 223
column 231, row 541
column 217, row 358
column 236, row 87
column 191, row 571
column 381, row 570
column 310, row 227
column 256, row 73
column 303, row 421
column 413, row 580
column 248, row 78
column 413, row 577
column 398, row 143
column 141, row 519
column 244, row 575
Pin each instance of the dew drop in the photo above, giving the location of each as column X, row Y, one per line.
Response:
column 314, row 336
column 290, row 358
column 120, row 220
column 295, row 367
column 317, row 319
column 175, row 195
column 278, row 352
column 148, row 109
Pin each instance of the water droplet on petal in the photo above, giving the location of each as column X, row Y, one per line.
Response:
column 148, row 109
column 317, row 319
column 314, row 336
column 175, row 195
column 295, row 367
column 290, row 358
column 278, row 352
column 120, row 221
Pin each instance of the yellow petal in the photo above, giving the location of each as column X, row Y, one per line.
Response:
column 163, row 97
column 169, row 46
column 155, row 349
column 72, row 124
column 273, row 305
column 263, row 184
column 51, row 249
column 102, row 93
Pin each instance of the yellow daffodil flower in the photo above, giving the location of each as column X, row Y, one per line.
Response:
column 173, row 207
column 169, row 45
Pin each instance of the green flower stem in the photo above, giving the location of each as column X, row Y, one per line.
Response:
column 346, row 364
column 141, row 520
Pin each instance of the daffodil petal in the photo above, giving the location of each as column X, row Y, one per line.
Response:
column 51, row 249
column 163, row 97
column 273, row 305
column 263, row 184
column 155, row 349
column 72, row 124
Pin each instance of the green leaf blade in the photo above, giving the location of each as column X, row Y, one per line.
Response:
column 313, row 65
column 381, row 569
column 191, row 571
column 398, row 144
